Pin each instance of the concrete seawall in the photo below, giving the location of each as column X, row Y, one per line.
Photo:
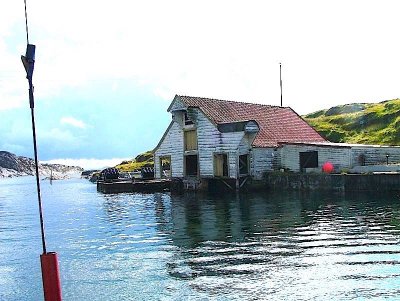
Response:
column 337, row 182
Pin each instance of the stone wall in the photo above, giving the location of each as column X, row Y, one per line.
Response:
column 337, row 182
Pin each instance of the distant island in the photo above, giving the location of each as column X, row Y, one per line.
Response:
column 372, row 123
column 12, row 165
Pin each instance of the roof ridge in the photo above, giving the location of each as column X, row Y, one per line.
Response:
column 235, row 101
column 276, row 123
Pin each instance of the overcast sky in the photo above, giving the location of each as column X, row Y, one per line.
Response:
column 106, row 71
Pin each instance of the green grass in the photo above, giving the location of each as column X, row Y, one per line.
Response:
column 352, row 123
column 141, row 160
column 377, row 123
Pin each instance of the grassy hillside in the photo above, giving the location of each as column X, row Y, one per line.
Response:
column 353, row 123
column 142, row 160
column 377, row 123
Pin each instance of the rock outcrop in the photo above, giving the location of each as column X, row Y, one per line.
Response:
column 16, row 166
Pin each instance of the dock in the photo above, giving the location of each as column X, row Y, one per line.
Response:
column 146, row 186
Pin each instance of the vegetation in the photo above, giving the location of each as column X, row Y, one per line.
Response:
column 377, row 123
column 142, row 160
column 352, row 123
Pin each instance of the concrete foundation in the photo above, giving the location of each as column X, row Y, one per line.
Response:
column 337, row 182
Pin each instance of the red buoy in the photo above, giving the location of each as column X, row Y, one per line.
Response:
column 51, row 277
column 327, row 167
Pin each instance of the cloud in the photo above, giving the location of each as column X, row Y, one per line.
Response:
column 57, row 134
column 13, row 84
column 74, row 122
column 235, row 57
column 88, row 163
column 59, row 142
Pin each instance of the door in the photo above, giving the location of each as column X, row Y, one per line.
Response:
column 244, row 164
column 220, row 165
column 191, row 165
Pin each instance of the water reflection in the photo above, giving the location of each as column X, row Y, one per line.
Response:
column 275, row 243
column 283, row 246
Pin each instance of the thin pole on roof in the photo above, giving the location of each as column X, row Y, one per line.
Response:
column 280, row 79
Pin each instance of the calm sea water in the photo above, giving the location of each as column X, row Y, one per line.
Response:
column 284, row 246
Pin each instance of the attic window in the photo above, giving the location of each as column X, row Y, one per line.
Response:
column 187, row 120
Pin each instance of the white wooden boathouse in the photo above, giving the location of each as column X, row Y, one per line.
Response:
column 231, row 141
column 226, row 140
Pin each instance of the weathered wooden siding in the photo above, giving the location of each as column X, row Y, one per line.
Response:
column 340, row 157
column 244, row 148
column 374, row 154
column 251, row 127
column 177, row 105
column 261, row 161
column 211, row 141
column 246, row 145
column 172, row 145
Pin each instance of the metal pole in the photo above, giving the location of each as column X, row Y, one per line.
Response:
column 280, row 80
column 32, row 106
column 49, row 261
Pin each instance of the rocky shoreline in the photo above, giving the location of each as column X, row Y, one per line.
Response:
column 17, row 166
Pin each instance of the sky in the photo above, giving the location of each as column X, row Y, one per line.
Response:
column 106, row 71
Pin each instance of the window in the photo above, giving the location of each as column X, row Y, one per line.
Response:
column 220, row 165
column 165, row 167
column 190, row 140
column 243, row 164
column 187, row 120
column 308, row 159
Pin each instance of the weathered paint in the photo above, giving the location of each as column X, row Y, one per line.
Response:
column 262, row 161
column 237, row 139
column 251, row 127
column 340, row 157
column 209, row 141
column 375, row 154
column 171, row 145
column 176, row 105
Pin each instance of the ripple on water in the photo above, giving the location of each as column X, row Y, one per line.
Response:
column 158, row 247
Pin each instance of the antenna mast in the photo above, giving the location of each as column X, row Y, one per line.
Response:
column 280, row 80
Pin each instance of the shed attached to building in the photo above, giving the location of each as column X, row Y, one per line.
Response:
column 345, row 157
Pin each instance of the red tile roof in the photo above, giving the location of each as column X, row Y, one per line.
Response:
column 277, row 124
